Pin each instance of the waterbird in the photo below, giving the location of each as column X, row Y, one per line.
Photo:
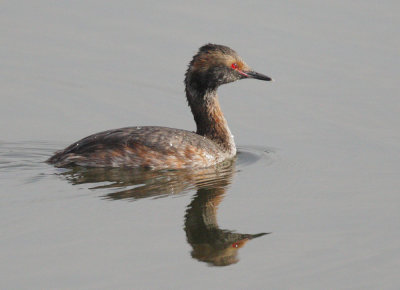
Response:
column 156, row 147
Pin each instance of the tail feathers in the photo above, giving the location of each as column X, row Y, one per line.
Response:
column 62, row 160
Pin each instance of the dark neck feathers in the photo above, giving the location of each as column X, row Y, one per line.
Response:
column 209, row 118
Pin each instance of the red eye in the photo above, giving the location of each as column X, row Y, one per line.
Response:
column 234, row 65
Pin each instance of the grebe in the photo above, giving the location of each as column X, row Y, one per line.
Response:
column 167, row 148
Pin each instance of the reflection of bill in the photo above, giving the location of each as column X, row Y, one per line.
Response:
column 210, row 243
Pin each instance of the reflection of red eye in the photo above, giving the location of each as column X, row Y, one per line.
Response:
column 234, row 65
column 235, row 245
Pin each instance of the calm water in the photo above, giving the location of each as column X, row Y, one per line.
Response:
column 312, row 201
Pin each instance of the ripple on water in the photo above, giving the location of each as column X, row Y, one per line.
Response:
column 119, row 183
column 15, row 156
column 249, row 155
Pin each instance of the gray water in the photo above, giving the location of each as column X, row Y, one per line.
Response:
column 319, row 161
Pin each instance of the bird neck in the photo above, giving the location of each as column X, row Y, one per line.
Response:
column 209, row 118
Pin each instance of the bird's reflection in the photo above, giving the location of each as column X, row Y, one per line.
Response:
column 210, row 244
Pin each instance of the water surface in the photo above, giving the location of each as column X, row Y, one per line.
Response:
column 318, row 167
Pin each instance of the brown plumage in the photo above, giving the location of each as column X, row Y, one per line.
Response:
column 161, row 147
